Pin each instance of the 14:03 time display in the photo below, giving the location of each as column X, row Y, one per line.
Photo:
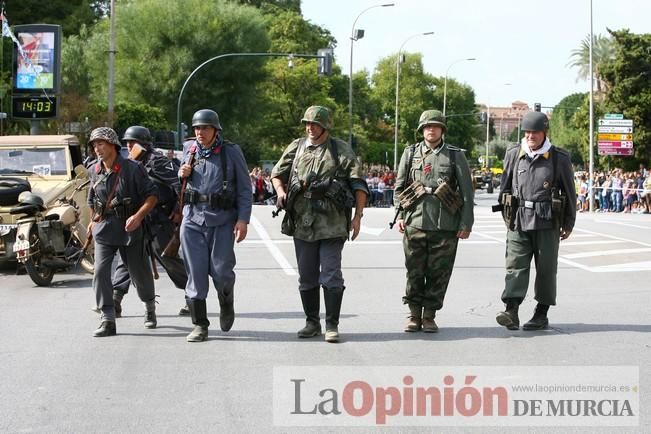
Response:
column 34, row 108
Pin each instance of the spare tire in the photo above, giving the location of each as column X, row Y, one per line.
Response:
column 10, row 188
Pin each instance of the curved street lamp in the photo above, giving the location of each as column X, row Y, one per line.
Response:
column 354, row 36
column 397, row 123
column 445, row 86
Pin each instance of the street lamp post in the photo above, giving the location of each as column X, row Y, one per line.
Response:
column 488, row 123
column 397, row 123
column 445, row 85
column 354, row 36
column 325, row 56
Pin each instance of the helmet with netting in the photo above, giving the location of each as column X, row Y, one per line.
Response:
column 432, row 117
column 319, row 115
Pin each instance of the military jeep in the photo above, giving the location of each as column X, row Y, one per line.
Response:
column 43, row 165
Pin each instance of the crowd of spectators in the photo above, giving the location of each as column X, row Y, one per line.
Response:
column 381, row 181
column 616, row 191
column 261, row 187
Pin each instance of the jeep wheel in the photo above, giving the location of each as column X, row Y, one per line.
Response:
column 10, row 188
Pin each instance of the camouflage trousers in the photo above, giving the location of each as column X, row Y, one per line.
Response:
column 429, row 259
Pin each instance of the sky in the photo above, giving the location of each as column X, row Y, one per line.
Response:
column 522, row 48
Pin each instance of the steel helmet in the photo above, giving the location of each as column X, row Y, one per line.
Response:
column 432, row 117
column 29, row 198
column 206, row 117
column 318, row 115
column 105, row 133
column 138, row 134
column 535, row 121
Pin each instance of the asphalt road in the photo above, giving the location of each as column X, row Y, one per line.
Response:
column 55, row 377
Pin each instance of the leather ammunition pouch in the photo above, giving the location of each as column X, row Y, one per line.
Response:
column 449, row 198
column 411, row 195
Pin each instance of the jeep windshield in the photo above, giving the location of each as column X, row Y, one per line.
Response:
column 42, row 162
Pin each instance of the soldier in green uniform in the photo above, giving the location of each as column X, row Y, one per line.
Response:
column 538, row 195
column 319, row 180
column 434, row 196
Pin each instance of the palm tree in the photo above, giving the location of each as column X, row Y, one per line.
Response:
column 603, row 50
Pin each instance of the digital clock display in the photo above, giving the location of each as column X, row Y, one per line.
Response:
column 34, row 107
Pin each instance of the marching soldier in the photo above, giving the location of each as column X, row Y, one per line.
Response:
column 121, row 195
column 163, row 173
column 216, row 214
column 434, row 198
column 537, row 195
column 318, row 180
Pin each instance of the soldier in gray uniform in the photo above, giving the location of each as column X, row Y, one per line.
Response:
column 216, row 213
column 164, row 173
column 318, row 180
column 434, row 198
column 121, row 195
column 537, row 197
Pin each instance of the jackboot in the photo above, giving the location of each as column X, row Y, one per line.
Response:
column 199, row 319
column 429, row 325
column 106, row 328
column 539, row 320
column 333, row 298
column 509, row 318
column 311, row 299
column 117, row 302
column 226, row 311
column 415, row 318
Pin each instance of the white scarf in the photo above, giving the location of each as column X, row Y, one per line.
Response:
column 546, row 146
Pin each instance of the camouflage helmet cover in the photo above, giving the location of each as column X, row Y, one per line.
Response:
column 138, row 134
column 535, row 121
column 432, row 117
column 318, row 115
column 105, row 133
column 206, row 117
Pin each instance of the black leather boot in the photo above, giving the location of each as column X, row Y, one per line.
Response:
column 106, row 328
column 333, row 298
column 117, row 302
column 539, row 320
column 226, row 311
column 199, row 319
column 509, row 318
column 311, row 299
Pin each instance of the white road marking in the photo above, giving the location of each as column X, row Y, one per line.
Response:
column 270, row 244
column 606, row 253
column 611, row 222
column 588, row 243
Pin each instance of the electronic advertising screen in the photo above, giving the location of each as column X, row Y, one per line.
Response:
column 37, row 64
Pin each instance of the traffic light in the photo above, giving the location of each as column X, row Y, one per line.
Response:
column 536, row 107
column 184, row 131
column 324, row 64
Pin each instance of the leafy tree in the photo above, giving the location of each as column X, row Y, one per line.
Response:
column 629, row 79
column 71, row 15
column 160, row 43
column 564, row 132
column 602, row 52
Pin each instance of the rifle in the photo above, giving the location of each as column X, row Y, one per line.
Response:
column 81, row 253
column 395, row 217
column 172, row 247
